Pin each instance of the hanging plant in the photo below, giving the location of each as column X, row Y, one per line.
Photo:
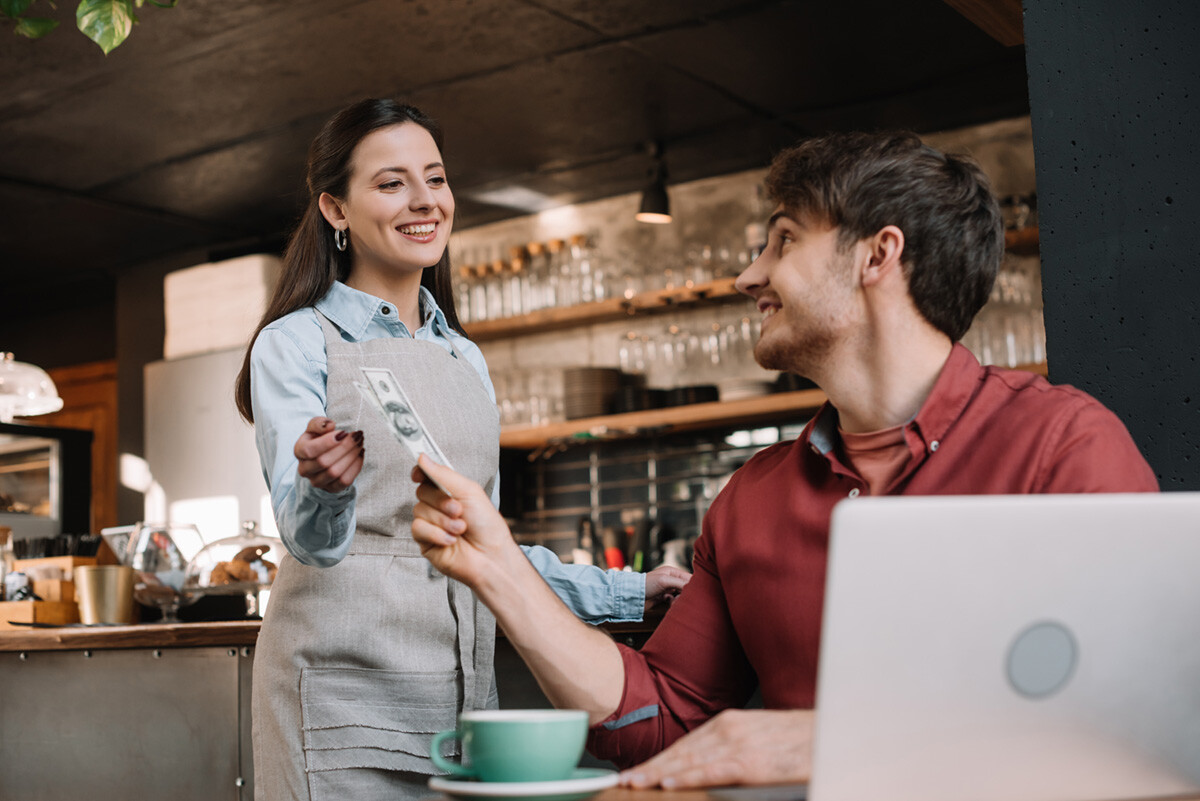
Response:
column 105, row 22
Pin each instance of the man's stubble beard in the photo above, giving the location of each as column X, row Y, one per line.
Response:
column 801, row 355
column 806, row 352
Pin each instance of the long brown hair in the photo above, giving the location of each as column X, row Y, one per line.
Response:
column 311, row 263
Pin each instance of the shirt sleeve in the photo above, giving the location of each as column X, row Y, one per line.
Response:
column 691, row 668
column 594, row 595
column 1094, row 453
column 287, row 386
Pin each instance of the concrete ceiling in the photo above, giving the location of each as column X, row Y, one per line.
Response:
column 193, row 133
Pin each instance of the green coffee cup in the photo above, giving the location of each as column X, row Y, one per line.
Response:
column 515, row 745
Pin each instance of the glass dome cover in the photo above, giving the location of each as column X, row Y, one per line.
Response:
column 237, row 565
column 25, row 390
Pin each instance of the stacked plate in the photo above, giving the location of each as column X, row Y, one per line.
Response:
column 589, row 391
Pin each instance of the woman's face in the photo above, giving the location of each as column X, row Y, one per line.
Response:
column 398, row 208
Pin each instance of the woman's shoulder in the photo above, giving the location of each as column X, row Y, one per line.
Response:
column 298, row 320
column 299, row 329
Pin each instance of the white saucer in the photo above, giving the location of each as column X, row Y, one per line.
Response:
column 584, row 783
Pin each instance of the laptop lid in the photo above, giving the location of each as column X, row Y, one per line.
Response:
column 1010, row 648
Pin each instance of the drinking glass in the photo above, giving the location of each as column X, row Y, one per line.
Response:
column 160, row 564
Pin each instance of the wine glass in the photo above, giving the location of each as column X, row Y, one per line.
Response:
column 159, row 565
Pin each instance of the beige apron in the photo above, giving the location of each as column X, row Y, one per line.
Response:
column 358, row 665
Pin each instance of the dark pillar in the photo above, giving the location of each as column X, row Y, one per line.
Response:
column 1114, row 91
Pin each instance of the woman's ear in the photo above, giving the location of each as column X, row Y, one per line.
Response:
column 885, row 250
column 331, row 210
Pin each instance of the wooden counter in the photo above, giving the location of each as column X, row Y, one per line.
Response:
column 235, row 633
column 147, row 635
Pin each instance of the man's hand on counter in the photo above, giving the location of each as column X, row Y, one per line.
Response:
column 738, row 746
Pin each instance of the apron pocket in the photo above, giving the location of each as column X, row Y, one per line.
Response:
column 355, row 718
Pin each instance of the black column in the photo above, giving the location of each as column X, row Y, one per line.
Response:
column 1114, row 90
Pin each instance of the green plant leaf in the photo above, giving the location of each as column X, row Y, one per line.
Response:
column 105, row 22
column 35, row 27
column 14, row 8
column 168, row 4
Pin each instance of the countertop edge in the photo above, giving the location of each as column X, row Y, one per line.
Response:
column 236, row 633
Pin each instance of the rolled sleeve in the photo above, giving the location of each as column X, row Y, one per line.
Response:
column 593, row 595
column 287, row 387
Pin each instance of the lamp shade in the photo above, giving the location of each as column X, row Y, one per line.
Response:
column 25, row 390
column 656, row 206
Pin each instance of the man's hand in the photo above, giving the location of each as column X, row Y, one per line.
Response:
column 463, row 536
column 664, row 583
column 329, row 458
column 738, row 746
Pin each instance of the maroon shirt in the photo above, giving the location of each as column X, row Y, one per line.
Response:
column 752, row 611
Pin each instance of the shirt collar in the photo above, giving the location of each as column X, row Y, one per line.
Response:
column 352, row 311
column 955, row 385
column 430, row 308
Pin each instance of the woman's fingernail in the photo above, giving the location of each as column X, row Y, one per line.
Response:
column 358, row 436
column 339, row 436
column 668, row 783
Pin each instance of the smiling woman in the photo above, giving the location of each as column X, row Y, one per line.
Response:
column 363, row 654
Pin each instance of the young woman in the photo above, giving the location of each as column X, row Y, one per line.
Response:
column 365, row 652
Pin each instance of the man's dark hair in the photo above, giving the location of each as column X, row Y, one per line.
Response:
column 860, row 182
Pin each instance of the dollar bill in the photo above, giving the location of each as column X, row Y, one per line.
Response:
column 385, row 394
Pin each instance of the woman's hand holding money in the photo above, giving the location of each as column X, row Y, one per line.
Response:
column 329, row 458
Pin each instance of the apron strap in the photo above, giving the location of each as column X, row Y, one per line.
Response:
column 462, row 603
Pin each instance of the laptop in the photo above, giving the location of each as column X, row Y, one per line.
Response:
column 1010, row 648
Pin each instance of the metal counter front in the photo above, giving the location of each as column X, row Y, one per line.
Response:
column 157, row 711
column 127, row 712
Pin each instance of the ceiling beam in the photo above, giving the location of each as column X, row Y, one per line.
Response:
column 1000, row 19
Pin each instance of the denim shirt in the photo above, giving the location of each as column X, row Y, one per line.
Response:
column 288, row 373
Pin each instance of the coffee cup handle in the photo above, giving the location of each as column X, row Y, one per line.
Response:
column 435, row 753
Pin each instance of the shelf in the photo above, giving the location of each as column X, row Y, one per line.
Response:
column 748, row 411
column 1023, row 243
column 606, row 311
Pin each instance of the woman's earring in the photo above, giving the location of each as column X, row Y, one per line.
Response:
column 340, row 239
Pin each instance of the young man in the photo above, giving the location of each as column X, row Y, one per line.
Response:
column 881, row 251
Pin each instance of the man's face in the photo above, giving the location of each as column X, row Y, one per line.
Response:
column 805, row 289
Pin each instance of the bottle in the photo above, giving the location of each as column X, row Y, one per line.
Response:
column 583, row 270
column 479, row 306
column 462, row 294
column 516, row 284
column 495, row 290
column 541, row 291
column 565, row 288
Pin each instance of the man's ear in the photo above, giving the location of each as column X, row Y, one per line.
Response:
column 331, row 210
column 884, row 252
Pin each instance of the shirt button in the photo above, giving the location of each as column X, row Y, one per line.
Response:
column 854, row 492
column 386, row 309
column 933, row 446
